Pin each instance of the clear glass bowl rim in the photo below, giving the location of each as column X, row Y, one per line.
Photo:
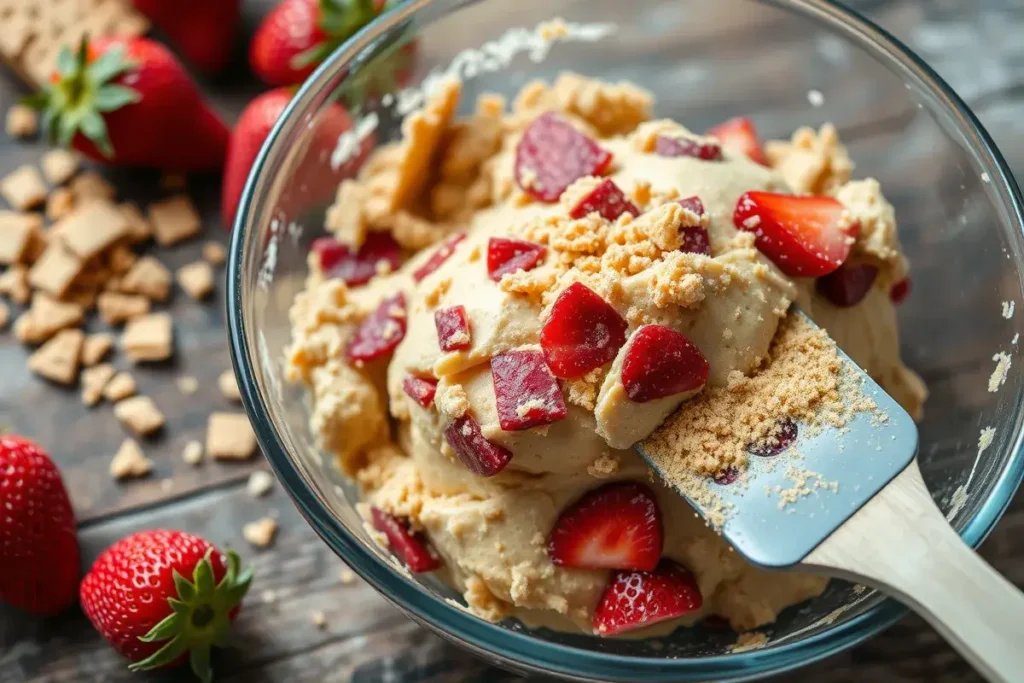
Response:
column 519, row 650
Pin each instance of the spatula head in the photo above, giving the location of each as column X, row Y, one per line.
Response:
column 851, row 467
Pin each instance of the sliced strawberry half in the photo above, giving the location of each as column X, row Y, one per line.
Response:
column 583, row 332
column 442, row 254
column 481, row 456
column 739, row 135
column 634, row 599
column 552, row 155
column 616, row 526
column 420, row 389
column 607, row 199
column 380, row 333
column 848, row 284
column 900, row 291
column 804, row 236
column 684, row 147
column 410, row 548
column 452, row 325
column 695, row 237
column 526, row 393
column 506, row 255
column 661, row 362
column 379, row 253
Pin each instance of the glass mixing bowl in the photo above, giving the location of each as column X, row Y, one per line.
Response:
column 784, row 63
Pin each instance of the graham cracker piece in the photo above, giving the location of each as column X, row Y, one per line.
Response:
column 14, row 283
column 5, row 315
column 229, row 436
column 120, row 387
column 17, row 231
column 46, row 317
column 23, row 188
column 54, row 271
column 228, row 386
column 174, row 220
column 59, row 166
column 60, row 203
column 121, row 258
column 149, row 337
column 261, row 532
column 148, row 277
column 196, row 279
column 93, row 380
column 139, row 229
column 57, row 359
column 130, row 461
column 91, row 185
column 116, row 308
column 96, row 346
column 215, row 253
column 84, row 296
column 22, row 121
column 92, row 227
column 139, row 414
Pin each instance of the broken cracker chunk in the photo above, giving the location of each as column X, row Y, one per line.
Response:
column 259, row 484
column 196, row 279
column 91, row 228
column 187, row 385
column 261, row 532
column 229, row 436
column 96, row 346
column 45, row 318
column 116, row 308
column 14, row 283
column 174, row 220
column 149, row 337
column 120, row 387
column 228, row 386
column 60, row 204
column 148, row 277
column 55, row 270
column 139, row 229
column 94, row 379
column 17, row 231
column 139, row 414
column 23, row 188
column 57, row 359
column 215, row 253
column 22, row 121
column 192, row 453
column 91, row 185
column 59, row 165
column 130, row 461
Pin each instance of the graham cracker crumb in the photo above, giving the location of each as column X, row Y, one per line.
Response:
column 319, row 620
column 130, row 461
column 91, row 185
column 268, row 596
column 120, row 387
column 347, row 577
column 148, row 277
column 96, row 346
column 139, row 229
column 91, row 228
column 752, row 640
column 196, row 279
column 261, row 532
column 22, row 121
column 139, row 414
column 229, row 436
column 187, row 385
column 116, row 308
column 451, row 399
column 229, row 387
column 94, row 379
column 59, row 166
column 606, row 465
column 23, row 188
column 14, row 283
column 174, row 220
column 17, row 232
column 57, row 359
column 55, row 270
column 1001, row 371
column 60, row 203
column 215, row 253
column 46, row 317
column 149, row 337
column 192, row 453
column 259, row 484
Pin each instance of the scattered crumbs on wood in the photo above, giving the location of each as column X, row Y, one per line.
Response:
column 259, row 484
column 261, row 532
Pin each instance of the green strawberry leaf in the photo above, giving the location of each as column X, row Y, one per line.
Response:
column 199, row 660
column 164, row 630
column 111, row 97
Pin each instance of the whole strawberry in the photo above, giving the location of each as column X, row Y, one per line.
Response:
column 129, row 102
column 297, row 35
column 202, row 30
column 39, row 560
column 160, row 597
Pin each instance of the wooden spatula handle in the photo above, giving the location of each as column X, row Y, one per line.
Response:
column 901, row 544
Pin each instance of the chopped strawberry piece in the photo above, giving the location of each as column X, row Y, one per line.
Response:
column 552, row 155
column 781, row 438
column 380, row 333
column 607, row 199
column 410, row 548
column 727, row 476
column 900, row 291
column 506, row 255
column 739, row 135
column 615, row 526
column 634, row 599
column 804, row 236
column 695, row 237
column 481, row 456
column 583, row 332
column 848, row 284
column 526, row 393
column 661, row 362
column 420, row 390
column 442, row 254
column 684, row 147
column 452, row 328
column 380, row 252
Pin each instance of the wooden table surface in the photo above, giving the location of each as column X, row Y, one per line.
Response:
column 974, row 45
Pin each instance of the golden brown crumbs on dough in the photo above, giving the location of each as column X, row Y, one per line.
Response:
column 582, row 391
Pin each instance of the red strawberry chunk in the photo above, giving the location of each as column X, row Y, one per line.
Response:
column 804, row 236
column 481, row 456
column 739, row 135
column 847, row 285
column 695, row 237
column 380, row 333
column 607, row 199
column 661, row 362
column 727, row 476
column 506, row 255
column 452, row 328
column 379, row 253
column 552, row 155
column 526, row 393
column 410, row 548
column 420, row 390
column 634, row 599
column 900, row 291
column 615, row 526
column 782, row 437
column 583, row 332
column 442, row 254
column 684, row 147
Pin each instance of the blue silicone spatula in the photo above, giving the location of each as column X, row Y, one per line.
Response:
column 878, row 527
